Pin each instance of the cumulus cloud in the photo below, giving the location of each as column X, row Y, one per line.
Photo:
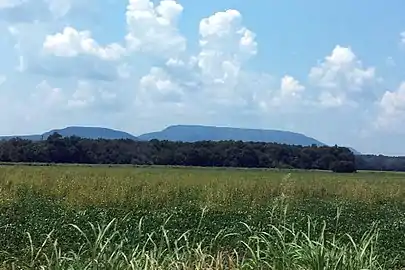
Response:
column 71, row 43
column 214, row 77
column 340, row 77
column 48, row 96
column 290, row 87
column 392, row 110
column 153, row 29
column 158, row 85
column 174, row 62
column 78, row 98
column 69, row 54
column 72, row 72
column 225, row 45
column 93, row 97
column 286, row 98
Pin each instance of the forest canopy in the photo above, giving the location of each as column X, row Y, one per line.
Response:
column 58, row 149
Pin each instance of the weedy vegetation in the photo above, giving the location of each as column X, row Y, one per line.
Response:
column 78, row 217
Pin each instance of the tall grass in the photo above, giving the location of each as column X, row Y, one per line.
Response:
column 279, row 247
column 213, row 187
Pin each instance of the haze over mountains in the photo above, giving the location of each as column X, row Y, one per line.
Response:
column 185, row 133
column 193, row 133
column 84, row 132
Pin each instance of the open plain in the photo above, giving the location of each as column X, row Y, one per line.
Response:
column 104, row 217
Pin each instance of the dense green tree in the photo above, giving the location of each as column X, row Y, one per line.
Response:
column 343, row 166
column 58, row 149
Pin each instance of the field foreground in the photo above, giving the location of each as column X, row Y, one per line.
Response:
column 74, row 217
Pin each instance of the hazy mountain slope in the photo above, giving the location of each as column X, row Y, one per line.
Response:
column 186, row 133
column 84, row 132
column 191, row 133
column 92, row 133
column 24, row 137
column 355, row 151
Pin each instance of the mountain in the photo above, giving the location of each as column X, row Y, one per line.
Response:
column 84, row 132
column 192, row 133
column 92, row 133
column 185, row 133
column 354, row 151
column 24, row 137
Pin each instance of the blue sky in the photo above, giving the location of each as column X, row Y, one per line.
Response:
column 330, row 70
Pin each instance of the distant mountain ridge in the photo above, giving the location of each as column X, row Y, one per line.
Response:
column 185, row 133
column 84, row 132
column 193, row 133
column 92, row 133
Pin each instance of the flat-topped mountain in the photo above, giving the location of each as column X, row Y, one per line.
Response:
column 185, row 133
column 193, row 133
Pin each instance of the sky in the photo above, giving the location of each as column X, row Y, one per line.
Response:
column 332, row 70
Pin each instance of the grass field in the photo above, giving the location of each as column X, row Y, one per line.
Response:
column 78, row 217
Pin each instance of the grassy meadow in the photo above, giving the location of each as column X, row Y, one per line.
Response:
column 79, row 217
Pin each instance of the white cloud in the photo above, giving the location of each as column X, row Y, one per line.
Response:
column 173, row 62
column 158, row 86
column 287, row 97
column 90, row 96
column 66, row 67
column 341, row 76
column 71, row 43
column 225, row 46
column 290, row 87
column 328, row 100
column 82, row 97
column 153, row 29
column 392, row 110
column 69, row 54
column 214, row 77
column 48, row 96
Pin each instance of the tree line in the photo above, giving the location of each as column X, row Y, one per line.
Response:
column 380, row 163
column 58, row 149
